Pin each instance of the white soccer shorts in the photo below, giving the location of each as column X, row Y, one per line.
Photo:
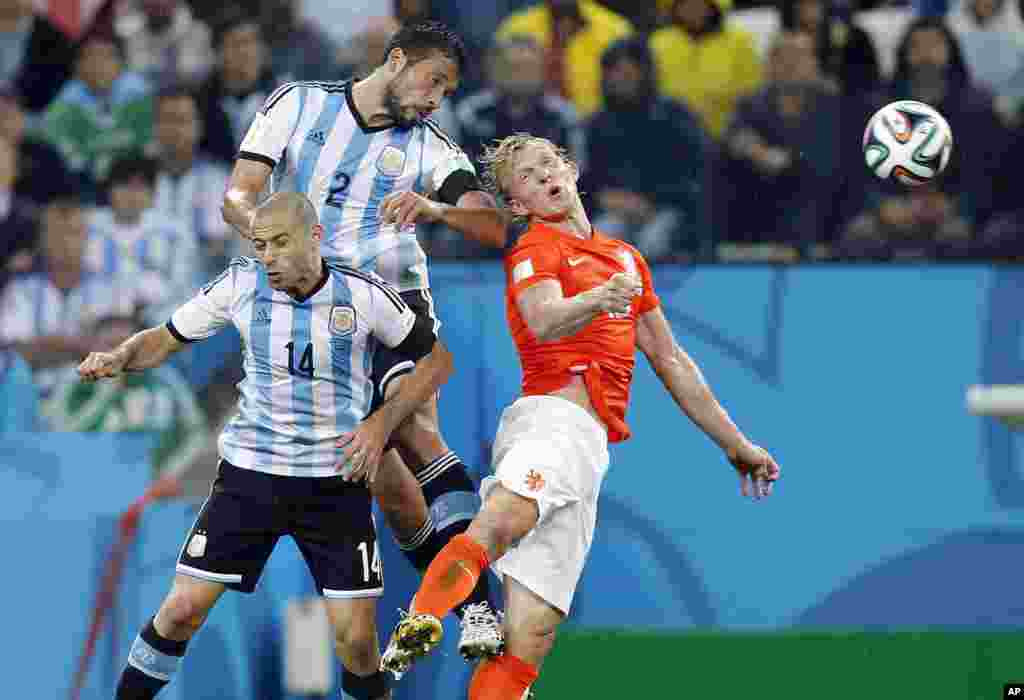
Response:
column 552, row 451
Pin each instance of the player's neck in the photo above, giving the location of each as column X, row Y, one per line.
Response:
column 368, row 97
column 577, row 223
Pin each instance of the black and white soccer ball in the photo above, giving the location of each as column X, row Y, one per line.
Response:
column 907, row 141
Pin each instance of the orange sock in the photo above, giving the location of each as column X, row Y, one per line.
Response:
column 504, row 678
column 451, row 577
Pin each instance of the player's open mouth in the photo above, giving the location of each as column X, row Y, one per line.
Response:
column 555, row 190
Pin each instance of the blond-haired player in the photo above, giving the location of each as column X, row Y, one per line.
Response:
column 579, row 304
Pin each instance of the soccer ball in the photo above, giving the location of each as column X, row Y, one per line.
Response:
column 907, row 141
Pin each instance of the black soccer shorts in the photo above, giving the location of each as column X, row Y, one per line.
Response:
column 247, row 511
column 388, row 364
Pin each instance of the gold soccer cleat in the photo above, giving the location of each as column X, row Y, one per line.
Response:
column 414, row 637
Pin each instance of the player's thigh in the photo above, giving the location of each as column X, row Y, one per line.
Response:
column 504, row 518
column 188, row 602
column 530, row 623
column 236, row 529
column 332, row 524
column 399, row 494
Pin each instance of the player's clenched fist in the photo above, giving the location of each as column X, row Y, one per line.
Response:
column 100, row 365
column 407, row 208
column 616, row 295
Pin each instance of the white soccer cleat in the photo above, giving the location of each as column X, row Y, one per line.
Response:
column 482, row 634
column 414, row 637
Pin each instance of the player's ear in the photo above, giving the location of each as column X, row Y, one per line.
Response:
column 317, row 231
column 396, row 61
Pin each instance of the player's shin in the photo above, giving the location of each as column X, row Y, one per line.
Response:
column 505, row 678
column 451, row 577
column 453, row 502
column 152, row 662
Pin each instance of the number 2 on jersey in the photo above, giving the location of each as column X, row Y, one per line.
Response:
column 305, row 367
column 339, row 184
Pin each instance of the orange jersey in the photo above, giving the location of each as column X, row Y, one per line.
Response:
column 604, row 351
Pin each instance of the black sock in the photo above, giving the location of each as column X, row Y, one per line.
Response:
column 453, row 501
column 370, row 687
column 151, row 663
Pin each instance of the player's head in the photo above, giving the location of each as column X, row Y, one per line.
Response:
column 423, row 62
column 535, row 177
column 130, row 185
column 286, row 238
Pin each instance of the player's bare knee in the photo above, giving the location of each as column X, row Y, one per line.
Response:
column 181, row 613
column 530, row 638
column 356, row 645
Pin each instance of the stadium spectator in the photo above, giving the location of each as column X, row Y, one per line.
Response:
column 34, row 55
column 164, row 41
column 919, row 223
column 39, row 164
column 239, row 85
column 157, row 255
column 845, row 51
column 299, row 48
column 105, row 110
column 365, row 51
column 19, row 411
column 779, row 171
column 17, row 218
column 991, row 34
column 190, row 185
column 574, row 34
column 646, row 156
column 705, row 62
column 157, row 400
column 46, row 315
column 515, row 101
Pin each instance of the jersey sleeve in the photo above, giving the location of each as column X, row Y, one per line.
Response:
column 207, row 312
column 273, row 126
column 648, row 299
column 393, row 320
column 453, row 172
column 526, row 265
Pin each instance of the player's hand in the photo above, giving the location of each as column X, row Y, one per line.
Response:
column 757, row 469
column 406, row 208
column 616, row 295
column 361, row 451
column 101, row 365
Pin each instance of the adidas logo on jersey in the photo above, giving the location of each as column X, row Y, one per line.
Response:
column 261, row 316
column 317, row 137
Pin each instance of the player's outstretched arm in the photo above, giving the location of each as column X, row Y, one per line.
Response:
column 684, row 380
column 240, row 200
column 146, row 349
column 476, row 215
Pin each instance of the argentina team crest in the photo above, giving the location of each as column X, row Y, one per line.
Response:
column 343, row 320
column 391, row 161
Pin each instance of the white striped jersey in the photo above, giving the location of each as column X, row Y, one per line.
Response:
column 316, row 141
column 195, row 197
column 32, row 307
column 158, row 255
column 307, row 362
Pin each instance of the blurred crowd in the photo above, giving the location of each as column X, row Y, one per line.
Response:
column 704, row 132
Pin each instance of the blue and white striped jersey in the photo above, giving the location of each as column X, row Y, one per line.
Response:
column 32, row 307
column 158, row 256
column 307, row 362
column 318, row 144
